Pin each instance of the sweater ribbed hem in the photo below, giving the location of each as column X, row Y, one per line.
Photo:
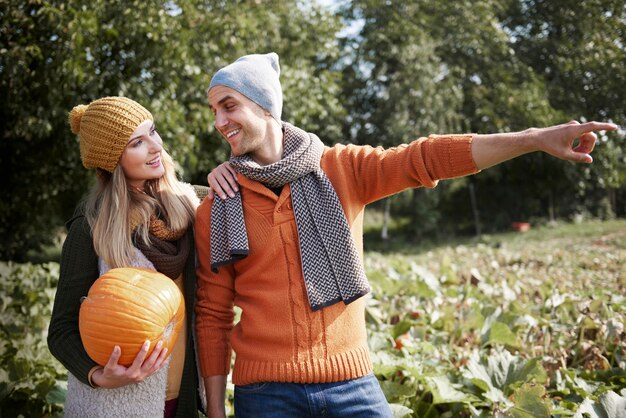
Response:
column 343, row 366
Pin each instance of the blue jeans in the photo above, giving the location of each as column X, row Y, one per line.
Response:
column 360, row 397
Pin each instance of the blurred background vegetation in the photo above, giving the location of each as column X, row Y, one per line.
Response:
column 367, row 72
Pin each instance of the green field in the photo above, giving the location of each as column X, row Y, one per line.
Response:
column 509, row 325
column 516, row 324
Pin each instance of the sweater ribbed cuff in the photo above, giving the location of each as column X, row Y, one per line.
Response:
column 458, row 151
column 90, row 374
column 214, row 364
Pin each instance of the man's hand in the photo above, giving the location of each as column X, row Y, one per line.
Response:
column 558, row 141
column 223, row 181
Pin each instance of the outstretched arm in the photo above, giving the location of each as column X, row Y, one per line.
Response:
column 558, row 141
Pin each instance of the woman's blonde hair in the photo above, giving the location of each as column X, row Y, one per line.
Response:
column 112, row 208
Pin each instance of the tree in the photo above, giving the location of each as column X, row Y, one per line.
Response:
column 426, row 67
column 302, row 34
column 39, row 161
column 57, row 54
column 579, row 48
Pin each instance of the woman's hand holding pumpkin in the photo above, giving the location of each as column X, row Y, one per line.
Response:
column 114, row 375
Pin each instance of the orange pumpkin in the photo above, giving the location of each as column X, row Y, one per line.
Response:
column 126, row 307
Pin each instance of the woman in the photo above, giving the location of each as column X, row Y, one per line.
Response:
column 137, row 215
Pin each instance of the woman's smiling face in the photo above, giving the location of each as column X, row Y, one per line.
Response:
column 141, row 159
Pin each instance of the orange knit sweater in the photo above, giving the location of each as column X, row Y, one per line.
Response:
column 278, row 338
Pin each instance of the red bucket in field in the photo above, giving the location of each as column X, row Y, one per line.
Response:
column 520, row 226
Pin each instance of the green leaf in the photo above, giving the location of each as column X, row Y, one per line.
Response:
column 614, row 404
column 529, row 402
column 395, row 390
column 531, row 370
column 444, row 391
column 500, row 333
column 502, row 372
column 5, row 389
column 609, row 405
column 401, row 328
column 400, row 411
column 57, row 394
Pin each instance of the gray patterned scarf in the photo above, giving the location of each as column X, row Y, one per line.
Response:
column 331, row 265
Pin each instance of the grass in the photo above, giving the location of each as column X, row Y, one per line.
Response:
column 610, row 231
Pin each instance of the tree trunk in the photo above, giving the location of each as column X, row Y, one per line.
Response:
column 551, row 206
column 474, row 209
column 384, row 233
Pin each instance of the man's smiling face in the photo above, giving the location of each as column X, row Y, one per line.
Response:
column 241, row 122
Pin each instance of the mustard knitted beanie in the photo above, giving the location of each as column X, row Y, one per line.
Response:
column 104, row 128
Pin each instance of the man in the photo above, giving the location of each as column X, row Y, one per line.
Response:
column 286, row 248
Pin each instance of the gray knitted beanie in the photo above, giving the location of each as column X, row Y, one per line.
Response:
column 255, row 76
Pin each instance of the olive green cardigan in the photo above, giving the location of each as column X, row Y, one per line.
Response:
column 79, row 269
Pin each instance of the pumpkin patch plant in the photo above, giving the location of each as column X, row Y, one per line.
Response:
column 126, row 307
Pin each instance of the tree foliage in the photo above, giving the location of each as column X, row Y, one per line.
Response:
column 579, row 49
column 57, row 54
column 370, row 72
column 426, row 67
